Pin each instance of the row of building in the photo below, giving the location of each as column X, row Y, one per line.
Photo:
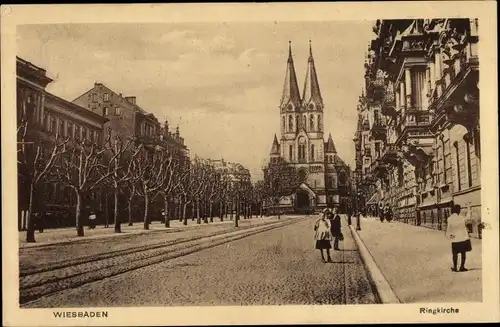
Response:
column 418, row 135
column 93, row 116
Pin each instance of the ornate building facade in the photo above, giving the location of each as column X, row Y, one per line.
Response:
column 324, row 176
column 418, row 141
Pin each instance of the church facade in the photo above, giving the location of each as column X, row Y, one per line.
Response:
column 324, row 176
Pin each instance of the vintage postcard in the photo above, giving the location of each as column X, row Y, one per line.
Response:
column 218, row 164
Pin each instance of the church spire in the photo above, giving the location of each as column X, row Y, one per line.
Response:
column 330, row 146
column 312, row 94
column 291, row 93
column 275, row 149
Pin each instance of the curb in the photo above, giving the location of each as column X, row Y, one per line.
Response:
column 382, row 287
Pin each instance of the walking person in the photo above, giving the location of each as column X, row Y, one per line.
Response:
column 335, row 228
column 457, row 233
column 323, row 235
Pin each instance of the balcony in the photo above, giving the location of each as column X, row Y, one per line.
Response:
column 390, row 155
column 379, row 129
column 389, row 102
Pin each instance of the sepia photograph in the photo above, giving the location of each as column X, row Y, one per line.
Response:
column 208, row 163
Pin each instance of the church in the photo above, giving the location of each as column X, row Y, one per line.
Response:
column 324, row 176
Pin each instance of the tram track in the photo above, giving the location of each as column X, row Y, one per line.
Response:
column 46, row 280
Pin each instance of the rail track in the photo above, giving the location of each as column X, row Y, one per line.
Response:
column 46, row 280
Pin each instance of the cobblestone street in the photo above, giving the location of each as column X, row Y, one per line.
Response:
column 285, row 269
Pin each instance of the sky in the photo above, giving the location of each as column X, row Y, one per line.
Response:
column 221, row 83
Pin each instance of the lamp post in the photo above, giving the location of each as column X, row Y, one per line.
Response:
column 358, row 197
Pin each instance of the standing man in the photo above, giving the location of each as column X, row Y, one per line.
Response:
column 335, row 228
column 457, row 233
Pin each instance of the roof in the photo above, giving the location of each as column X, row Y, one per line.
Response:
column 290, row 87
column 329, row 145
column 275, row 149
column 311, row 86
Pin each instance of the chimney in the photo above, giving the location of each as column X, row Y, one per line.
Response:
column 131, row 99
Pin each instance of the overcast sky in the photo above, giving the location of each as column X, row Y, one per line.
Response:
column 220, row 83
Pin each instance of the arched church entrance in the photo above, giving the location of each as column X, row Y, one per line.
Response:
column 303, row 201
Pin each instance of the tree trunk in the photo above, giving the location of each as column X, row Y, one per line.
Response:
column 106, row 211
column 184, row 213
column 78, row 215
column 30, row 235
column 198, row 219
column 237, row 216
column 167, row 218
column 130, row 222
column 118, row 223
column 211, row 210
column 146, row 207
column 261, row 209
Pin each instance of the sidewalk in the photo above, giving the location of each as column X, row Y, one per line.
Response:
column 66, row 235
column 416, row 262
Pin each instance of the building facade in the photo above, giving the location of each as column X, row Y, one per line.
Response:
column 48, row 118
column 324, row 176
column 129, row 121
column 418, row 136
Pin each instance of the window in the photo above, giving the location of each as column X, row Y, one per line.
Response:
column 290, row 152
column 302, row 148
column 468, row 159
column 443, row 152
column 84, row 133
column 319, row 123
column 77, row 132
column 105, row 111
column 311, row 122
column 69, row 129
column 304, row 122
column 457, row 159
column 417, row 86
column 106, row 97
column 94, row 97
column 377, row 149
column 312, row 151
column 53, row 125
column 61, row 128
column 283, row 123
column 117, row 111
column 290, row 123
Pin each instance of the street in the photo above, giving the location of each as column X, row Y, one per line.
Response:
column 273, row 267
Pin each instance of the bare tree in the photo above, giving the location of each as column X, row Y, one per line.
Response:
column 212, row 191
column 121, row 167
column 82, row 169
column 172, row 179
column 35, row 163
column 191, row 187
column 281, row 179
column 148, row 169
column 259, row 195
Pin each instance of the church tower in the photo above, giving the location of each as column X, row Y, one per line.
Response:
column 301, row 142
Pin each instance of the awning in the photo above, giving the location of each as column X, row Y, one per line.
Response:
column 374, row 199
column 427, row 204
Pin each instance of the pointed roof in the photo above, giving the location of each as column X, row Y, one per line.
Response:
column 275, row 149
column 330, row 146
column 311, row 86
column 290, row 88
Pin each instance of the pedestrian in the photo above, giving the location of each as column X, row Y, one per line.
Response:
column 92, row 220
column 335, row 228
column 457, row 233
column 381, row 212
column 389, row 214
column 323, row 235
